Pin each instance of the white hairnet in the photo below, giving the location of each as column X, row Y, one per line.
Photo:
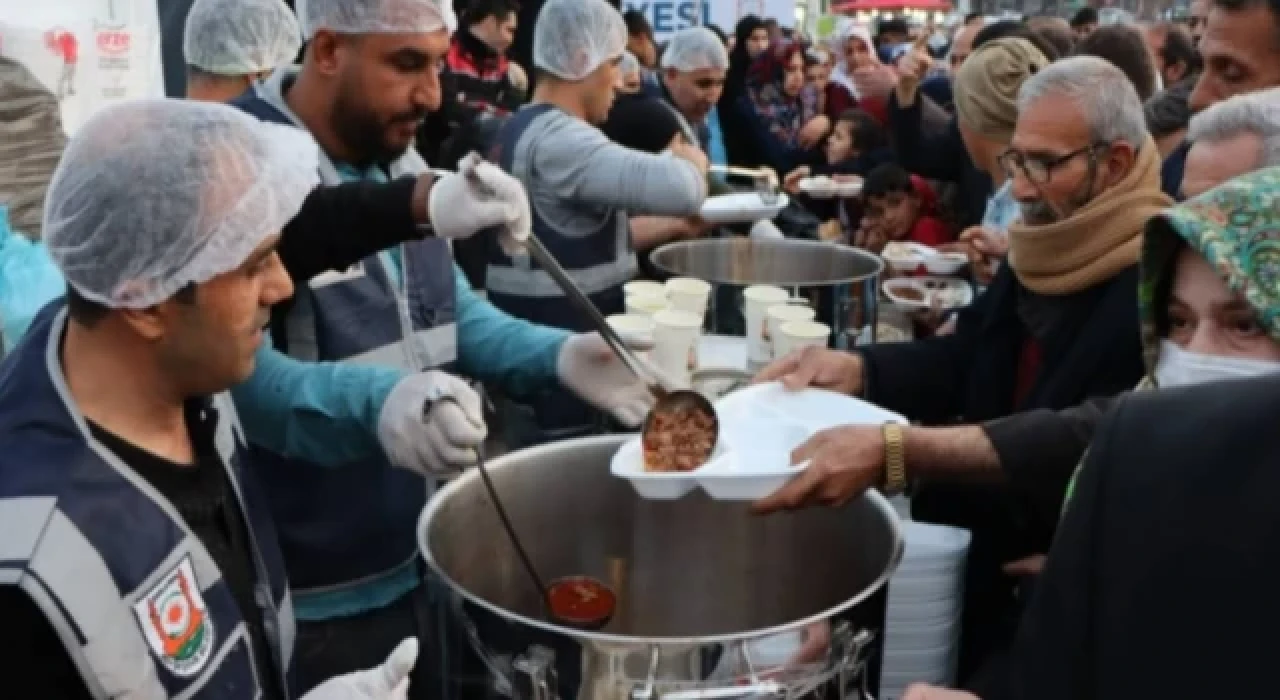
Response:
column 572, row 38
column 376, row 16
column 630, row 64
column 695, row 48
column 240, row 37
column 153, row 195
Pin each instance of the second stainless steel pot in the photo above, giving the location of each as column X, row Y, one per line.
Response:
column 842, row 282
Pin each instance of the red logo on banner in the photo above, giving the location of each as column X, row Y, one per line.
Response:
column 114, row 43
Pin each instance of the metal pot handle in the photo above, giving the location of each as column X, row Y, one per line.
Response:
column 737, row 691
column 846, row 664
column 536, row 669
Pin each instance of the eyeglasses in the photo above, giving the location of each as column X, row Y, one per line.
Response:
column 1040, row 170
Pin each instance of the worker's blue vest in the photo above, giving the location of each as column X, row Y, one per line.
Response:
column 346, row 524
column 600, row 262
column 136, row 599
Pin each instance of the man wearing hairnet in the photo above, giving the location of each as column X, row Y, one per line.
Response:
column 140, row 559
column 583, row 188
column 369, row 75
column 230, row 44
column 694, row 66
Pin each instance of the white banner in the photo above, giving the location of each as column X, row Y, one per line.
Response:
column 670, row 16
column 87, row 52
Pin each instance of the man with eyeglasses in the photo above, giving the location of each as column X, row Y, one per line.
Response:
column 1055, row 327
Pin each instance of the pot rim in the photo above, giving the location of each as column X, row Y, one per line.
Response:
column 729, row 244
column 441, row 496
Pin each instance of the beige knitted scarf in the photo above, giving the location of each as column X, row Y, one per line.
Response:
column 1095, row 243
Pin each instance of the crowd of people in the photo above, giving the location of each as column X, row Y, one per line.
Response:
column 253, row 326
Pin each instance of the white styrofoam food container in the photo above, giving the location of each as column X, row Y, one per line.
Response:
column 759, row 427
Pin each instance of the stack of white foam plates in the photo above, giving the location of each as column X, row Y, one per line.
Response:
column 926, row 596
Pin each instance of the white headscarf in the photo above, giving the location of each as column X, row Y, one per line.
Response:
column 842, row 73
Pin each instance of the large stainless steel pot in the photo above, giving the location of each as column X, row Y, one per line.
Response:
column 842, row 281
column 699, row 581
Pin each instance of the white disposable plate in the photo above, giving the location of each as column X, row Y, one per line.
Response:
column 815, row 409
column 946, row 263
column 905, row 256
column 741, row 208
column 818, row 187
column 759, row 427
column 960, row 290
column 751, row 461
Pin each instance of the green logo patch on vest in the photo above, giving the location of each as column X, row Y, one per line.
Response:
column 176, row 622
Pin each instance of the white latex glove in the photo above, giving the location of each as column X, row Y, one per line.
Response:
column 588, row 367
column 478, row 197
column 422, row 430
column 390, row 681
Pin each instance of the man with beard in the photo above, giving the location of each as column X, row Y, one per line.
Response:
column 1241, row 54
column 369, row 75
column 1055, row 327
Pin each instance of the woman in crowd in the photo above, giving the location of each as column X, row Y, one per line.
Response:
column 858, row 77
column 783, row 134
column 751, row 38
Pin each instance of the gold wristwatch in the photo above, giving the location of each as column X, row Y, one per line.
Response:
column 895, row 459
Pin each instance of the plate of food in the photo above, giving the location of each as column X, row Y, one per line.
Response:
column 742, row 207
column 918, row 293
column 905, row 256
column 760, row 426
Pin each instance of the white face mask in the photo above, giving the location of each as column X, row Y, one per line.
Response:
column 1177, row 367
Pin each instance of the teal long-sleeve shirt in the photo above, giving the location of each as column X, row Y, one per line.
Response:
column 327, row 413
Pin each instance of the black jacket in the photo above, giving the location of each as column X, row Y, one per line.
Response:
column 1093, row 350
column 940, row 157
column 1162, row 581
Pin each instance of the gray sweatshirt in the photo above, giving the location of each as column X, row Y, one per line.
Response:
column 576, row 177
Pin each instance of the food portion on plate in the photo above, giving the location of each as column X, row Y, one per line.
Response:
column 929, row 292
column 678, row 439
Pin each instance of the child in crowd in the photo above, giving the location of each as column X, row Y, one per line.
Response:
column 857, row 144
column 899, row 206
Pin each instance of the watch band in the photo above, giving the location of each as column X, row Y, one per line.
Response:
column 895, row 459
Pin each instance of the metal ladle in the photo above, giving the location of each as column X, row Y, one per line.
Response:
column 544, row 592
column 667, row 399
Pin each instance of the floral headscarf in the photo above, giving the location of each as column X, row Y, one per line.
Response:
column 1236, row 227
column 783, row 114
